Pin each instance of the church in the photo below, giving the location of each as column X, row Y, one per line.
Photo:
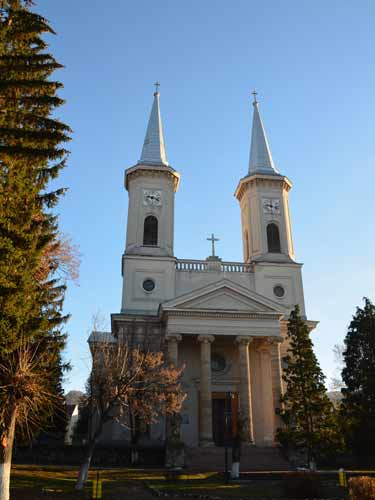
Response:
column 225, row 321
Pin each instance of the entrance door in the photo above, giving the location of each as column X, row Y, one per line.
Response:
column 224, row 417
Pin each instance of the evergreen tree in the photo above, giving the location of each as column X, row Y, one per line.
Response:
column 358, row 404
column 31, row 156
column 306, row 411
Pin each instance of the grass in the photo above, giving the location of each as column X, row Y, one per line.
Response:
column 217, row 488
column 52, row 482
column 255, row 489
column 56, row 482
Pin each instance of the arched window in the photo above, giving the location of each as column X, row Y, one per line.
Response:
column 273, row 238
column 150, row 231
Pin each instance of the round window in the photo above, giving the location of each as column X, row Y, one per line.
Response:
column 148, row 285
column 279, row 291
column 218, row 363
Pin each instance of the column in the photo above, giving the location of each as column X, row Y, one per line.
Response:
column 278, row 388
column 268, row 409
column 172, row 422
column 246, row 410
column 205, row 417
column 173, row 339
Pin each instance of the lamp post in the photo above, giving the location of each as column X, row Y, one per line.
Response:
column 227, row 428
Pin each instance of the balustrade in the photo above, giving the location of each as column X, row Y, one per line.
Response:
column 202, row 265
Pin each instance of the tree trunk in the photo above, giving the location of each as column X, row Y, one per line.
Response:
column 6, row 447
column 133, row 438
column 84, row 469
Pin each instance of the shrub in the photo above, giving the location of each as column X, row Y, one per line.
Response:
column 362, row 488
column 302, row 485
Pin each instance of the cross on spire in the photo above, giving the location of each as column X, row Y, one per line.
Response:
column 213, row 239
column 254, row 93
column 157, row 85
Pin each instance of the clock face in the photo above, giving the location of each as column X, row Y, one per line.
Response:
column 271, row 206
column 152, row 198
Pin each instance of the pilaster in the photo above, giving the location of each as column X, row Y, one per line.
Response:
column 268, row 409
column 278, row 388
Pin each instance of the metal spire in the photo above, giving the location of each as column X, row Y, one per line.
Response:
column 261, row 161
column 153, row 151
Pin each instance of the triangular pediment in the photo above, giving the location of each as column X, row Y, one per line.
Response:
column 224, row 296
column 226, row 299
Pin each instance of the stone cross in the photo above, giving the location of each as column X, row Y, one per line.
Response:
column 213, row 239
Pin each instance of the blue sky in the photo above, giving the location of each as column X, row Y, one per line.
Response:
column 312, row 64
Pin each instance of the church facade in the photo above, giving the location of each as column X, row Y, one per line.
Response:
column 224, row 321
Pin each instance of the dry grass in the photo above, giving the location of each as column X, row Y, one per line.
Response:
column 55, row 482
column 49, row 483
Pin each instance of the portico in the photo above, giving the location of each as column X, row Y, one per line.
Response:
column 219, row 334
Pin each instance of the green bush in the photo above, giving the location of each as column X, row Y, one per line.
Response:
column 302, row 485
column 362, row 488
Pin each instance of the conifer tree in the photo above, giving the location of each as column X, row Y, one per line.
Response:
column 308, row 415
column 31, row 156
column 358, row 404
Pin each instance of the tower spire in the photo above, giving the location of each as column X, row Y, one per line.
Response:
column 261, row 161
column 153, row 151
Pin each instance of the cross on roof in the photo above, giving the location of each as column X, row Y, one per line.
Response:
column 255, row 93
column 157, row 85
column 213, row 239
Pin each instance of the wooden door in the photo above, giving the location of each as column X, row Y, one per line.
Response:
column 224, row 417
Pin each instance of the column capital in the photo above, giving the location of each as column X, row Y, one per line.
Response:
column 275, row 340
column 268, row 342
column 206, row 339
column 242, row 340
column 173, row 337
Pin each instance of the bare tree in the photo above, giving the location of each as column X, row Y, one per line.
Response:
column 129, row 383
column 27, row 392
column 25, row 395
column 60, row 258
column 336, row 382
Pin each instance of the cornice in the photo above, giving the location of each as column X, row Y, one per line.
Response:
column 311, row 324
column 261, row 180
column 144, row 257
column 199, row 313
column 276, row 263
column 152, row 171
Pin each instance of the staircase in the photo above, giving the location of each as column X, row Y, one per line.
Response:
column 253, row 458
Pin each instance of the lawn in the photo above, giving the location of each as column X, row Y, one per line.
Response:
column 214, row 485
column 56, row 482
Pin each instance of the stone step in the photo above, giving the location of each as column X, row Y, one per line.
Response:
column 253, row 458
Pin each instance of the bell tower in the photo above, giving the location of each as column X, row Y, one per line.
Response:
column 263, row 197
column 266, row 228
column 148, row 260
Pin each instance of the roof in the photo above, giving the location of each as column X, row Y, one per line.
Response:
column 261, row 160
column 153, row 151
